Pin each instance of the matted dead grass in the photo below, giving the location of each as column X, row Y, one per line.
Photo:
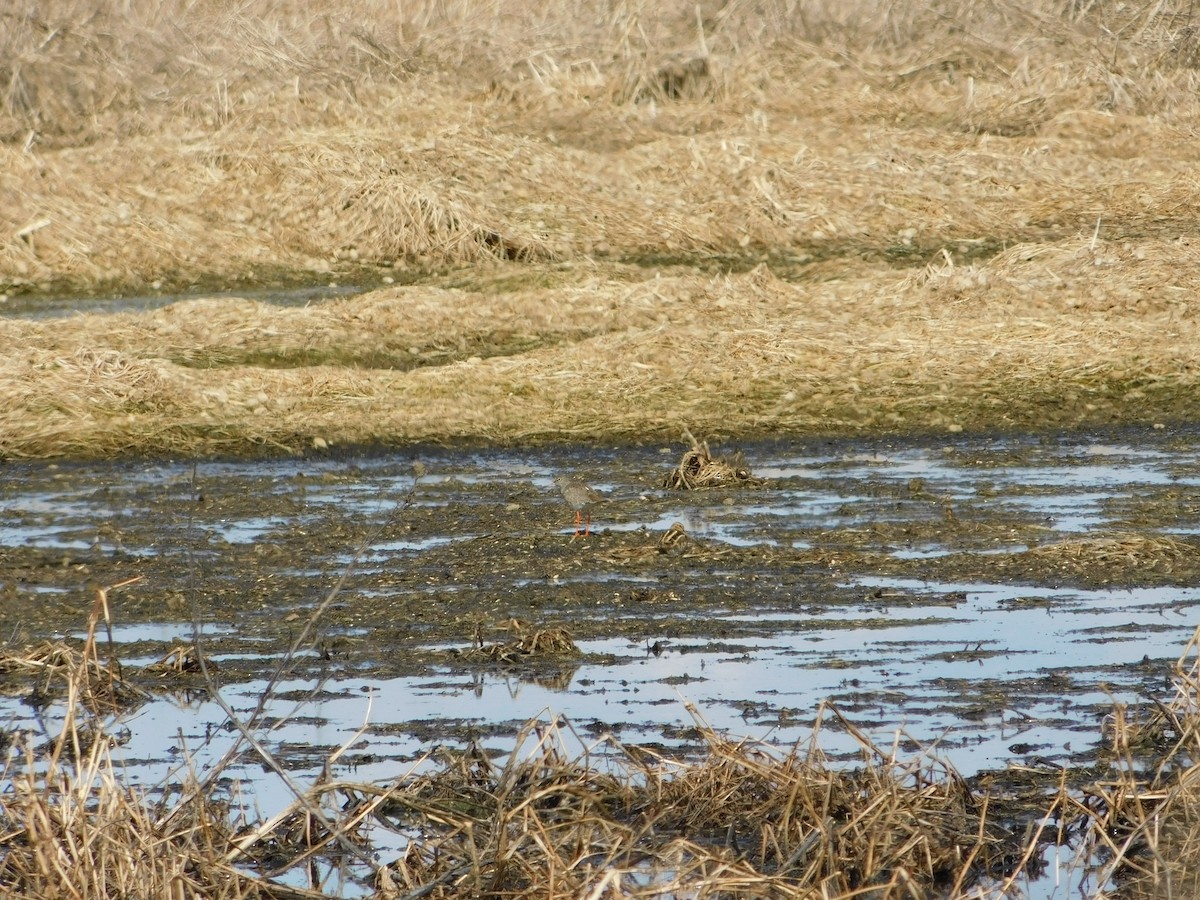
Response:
column 952, row 348
column 983, row 212
column 1110, row 556
column 1144, row 829
column 744, row 821
column 741, row 820
column 698, row 469
column 735, row 818
column 526, row 643
column 236, row 144
column 53, row 669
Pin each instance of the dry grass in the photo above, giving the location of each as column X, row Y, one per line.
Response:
column 956, row 350
column 168, row 142
column 71, row 826
column 1144, row 821
column 526, row 643
column 983, row 212
column 698, row 469
column 54, row 669
column 744, row 820
column 1110, row 556
column 738, row 819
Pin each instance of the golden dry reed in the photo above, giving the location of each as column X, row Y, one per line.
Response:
column 728, row 819
column 739, row 819
column 965, row 215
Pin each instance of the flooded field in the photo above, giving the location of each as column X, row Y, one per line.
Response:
column 983, row 601
column 246, row 652
column 986, row 598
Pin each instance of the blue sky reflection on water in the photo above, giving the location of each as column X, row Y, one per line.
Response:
column 964, row 670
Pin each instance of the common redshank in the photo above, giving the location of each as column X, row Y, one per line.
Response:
column 580, row 498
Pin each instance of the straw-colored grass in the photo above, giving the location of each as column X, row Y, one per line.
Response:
column 736, row 819
column 698, row 469
column 982, row 212
column 750, row 354
column 525, row 644
column 1109, row 556
column 742, row 820
column 1144, row 820
column 165, row 142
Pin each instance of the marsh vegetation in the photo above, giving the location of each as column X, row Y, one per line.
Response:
column 594, row 221
column 319, row 232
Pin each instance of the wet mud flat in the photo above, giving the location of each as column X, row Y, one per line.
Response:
column 430, row 621
column 985, row 598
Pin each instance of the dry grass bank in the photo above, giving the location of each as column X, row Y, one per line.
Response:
column 750, row 354
column 984, row 213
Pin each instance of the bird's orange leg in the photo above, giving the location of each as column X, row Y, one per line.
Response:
column 578, row 522
column 588, row 528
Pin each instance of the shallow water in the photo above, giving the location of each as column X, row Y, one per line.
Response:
column 890, row 578
column 51, row 307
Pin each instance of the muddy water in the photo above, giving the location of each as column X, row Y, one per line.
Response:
column 39, row 306
column 928, row 589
